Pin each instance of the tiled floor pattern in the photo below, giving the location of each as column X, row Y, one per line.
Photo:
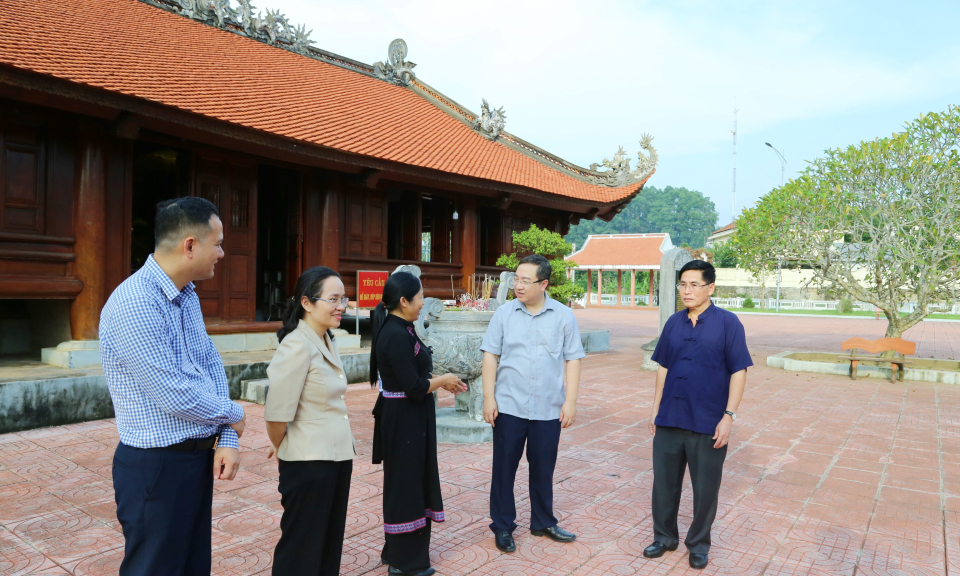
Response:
column 824, row 476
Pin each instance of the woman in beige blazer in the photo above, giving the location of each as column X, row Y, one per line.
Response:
column 309, row 428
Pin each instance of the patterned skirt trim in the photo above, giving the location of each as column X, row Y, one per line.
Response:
column 415, row 525
column 388, row 394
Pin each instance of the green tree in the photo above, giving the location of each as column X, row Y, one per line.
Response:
column 887, row 208
column 686, row 215
column 725, row 255
column 552, row 246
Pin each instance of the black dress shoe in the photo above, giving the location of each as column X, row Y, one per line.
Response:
column 656, row 550
column 555, row 533
column 396, row 572
column 698, row 561
column 505, row 541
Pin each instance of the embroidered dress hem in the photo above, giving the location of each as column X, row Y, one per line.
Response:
column 415, row 525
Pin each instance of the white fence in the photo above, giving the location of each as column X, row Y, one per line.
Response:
column 642, row 300
column 771, row 304
column 611, row 299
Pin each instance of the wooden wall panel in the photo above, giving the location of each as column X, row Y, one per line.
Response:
column 37, row 184
column 23, row 186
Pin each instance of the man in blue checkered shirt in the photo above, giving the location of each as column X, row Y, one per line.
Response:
column 178, row 427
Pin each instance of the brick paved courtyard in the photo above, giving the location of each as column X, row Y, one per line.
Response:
column 824, row 476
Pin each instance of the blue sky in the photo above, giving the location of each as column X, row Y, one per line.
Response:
column 579, row 78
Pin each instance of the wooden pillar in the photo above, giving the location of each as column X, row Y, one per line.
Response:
column 600, row 287
column 589, row 287
column 633, row 286
column 650, row 297
column 90, row 217
column 619, row 287
column 330, row 224
column 468, row 240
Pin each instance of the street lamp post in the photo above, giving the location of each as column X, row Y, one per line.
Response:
column 783, row 161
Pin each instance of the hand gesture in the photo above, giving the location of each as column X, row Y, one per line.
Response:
column 226, row 462
column 453, row 384
column 490, row 412
column 651, row 426
column 568, row 414
column 722, row 434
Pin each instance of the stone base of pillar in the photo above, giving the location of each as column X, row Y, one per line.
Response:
column 73, row 354
column 648, row 348
column 255, row 390
column 346, row 339
column 454, row 427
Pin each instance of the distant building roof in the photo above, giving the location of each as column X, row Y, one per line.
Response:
column 622, row 251
column 729, row 226
column 319, row 99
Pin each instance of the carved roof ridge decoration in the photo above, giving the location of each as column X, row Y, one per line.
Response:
column 274, row 29
column 396, row 70
column 514, row 142
column 490, row 121
column 271, row 28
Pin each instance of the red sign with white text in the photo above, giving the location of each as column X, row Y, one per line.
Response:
column 370, row 287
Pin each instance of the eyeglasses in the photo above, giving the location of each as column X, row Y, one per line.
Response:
column 345, row 301
column 518, row 280
column 694, row 286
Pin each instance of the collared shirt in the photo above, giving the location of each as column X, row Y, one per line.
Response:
column 166, row 378
column 532, row 350
column 699, row 361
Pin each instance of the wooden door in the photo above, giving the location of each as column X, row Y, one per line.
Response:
column 230, row 296
column 365, row 225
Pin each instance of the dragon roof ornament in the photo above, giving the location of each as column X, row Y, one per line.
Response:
column 396, row 70
column 490, row 121
column 618, row 171
column 272, row 27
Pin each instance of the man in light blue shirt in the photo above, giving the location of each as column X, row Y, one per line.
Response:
column 178, row 427
column 537, row 343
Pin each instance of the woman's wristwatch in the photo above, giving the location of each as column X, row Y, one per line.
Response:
column 732, row 414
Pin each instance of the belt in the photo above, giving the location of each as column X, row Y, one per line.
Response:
column 195, row 444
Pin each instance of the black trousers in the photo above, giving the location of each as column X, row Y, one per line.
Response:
column 164, row 500
column 314, row 496
column 673, row 450
column 542, row 438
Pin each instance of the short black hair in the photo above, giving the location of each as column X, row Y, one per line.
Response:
column 706, row 269
column 544, row 270
column 178, row 217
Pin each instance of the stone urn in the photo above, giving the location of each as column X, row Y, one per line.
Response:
column 454, row 338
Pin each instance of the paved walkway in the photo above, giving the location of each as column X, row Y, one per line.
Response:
column 772, row 334
column 824, row 476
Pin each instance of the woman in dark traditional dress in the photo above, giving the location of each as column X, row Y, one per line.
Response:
column 405, row 430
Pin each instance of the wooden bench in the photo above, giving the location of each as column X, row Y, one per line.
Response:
column 898, row 345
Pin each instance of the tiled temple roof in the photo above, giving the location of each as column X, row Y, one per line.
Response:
column 622, row 251
column 314, row 97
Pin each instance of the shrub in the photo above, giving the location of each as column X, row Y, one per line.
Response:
column 748, row 303
column 846, row 306
column 552, row 246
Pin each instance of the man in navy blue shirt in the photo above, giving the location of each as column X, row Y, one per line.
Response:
column 703, row 360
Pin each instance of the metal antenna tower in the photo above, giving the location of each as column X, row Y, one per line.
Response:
column 734, row 132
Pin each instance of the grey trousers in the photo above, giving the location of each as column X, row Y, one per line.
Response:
column 673, row 450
